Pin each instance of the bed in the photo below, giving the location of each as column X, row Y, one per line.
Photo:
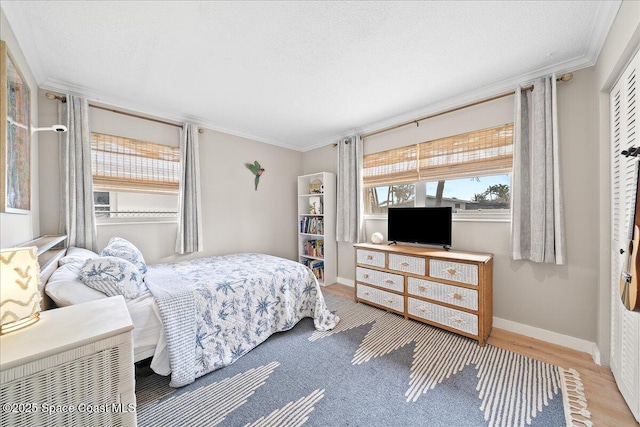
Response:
column 197, row 316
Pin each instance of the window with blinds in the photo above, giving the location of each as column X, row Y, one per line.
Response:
column 131, row 165
column 470, row 171
column 133, row 178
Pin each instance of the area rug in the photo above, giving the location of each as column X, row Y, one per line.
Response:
column 374, row 369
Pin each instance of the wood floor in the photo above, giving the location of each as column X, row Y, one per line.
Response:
column 605, row 402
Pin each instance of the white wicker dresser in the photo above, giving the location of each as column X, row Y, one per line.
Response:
column 74, row 367
column 448, row 289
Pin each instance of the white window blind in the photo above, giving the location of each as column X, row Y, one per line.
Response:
column 477, row 153
column 125, row 164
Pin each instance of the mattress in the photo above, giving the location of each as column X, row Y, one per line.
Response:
column 65, row 288
column 147, row 326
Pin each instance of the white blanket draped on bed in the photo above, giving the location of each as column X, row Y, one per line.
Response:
column 216, row 309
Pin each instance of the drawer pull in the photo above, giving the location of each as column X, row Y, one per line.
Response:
column 366, row 276
column 424, row 310
column 369, row 257
column 367, row 293
column 457, row 320
column 422, row 288
column 390, row 301
column 452, row 271
column 457, row 296
column 389, row 282
column 404, row 264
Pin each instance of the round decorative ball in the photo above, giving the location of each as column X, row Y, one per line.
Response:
column 377, row 238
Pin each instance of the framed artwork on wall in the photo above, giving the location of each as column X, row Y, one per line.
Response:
column 15, row 136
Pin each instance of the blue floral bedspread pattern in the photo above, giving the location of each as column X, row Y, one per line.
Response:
column 216, row 309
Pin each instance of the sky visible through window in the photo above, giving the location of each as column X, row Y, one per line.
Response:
column 465, row 188
column 462, row 188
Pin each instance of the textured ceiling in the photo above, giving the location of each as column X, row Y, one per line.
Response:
column 301, row 74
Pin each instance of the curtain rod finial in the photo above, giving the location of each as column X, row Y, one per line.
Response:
column 566, row 77
column 54, row 97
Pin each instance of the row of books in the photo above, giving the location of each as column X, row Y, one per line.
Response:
column 314, row 248
column 316, row 266
column 312, row 225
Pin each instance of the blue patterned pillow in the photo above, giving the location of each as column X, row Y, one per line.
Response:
column 124, row 249
column 113, row 276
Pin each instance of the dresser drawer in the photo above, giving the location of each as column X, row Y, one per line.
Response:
column 454, row 271
column 382, row 298
column 454, row 295
column 373, row 258
column 407, row 264
column 380, row 278
column 456, row 319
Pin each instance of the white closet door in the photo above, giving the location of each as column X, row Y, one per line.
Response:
column 625, row 325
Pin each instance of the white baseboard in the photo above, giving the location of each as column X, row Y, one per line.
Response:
column 347, row 282
column 595, row 353
column 533, row 332
column 550, row 336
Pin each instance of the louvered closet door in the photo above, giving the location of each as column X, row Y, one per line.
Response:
column 625, row 325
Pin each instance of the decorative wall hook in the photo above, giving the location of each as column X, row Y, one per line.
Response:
column 631, row 152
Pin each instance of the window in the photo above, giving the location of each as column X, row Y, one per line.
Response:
column 378, row 199
column 133, row 178
column 469, row 172
column 470, row 194
column 101, row 204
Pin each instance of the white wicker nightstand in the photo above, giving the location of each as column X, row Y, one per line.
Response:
column 74, row 367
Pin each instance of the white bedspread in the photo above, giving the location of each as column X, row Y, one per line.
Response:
column 216, row 309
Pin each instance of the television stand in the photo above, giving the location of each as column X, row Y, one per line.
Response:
column 448, row 289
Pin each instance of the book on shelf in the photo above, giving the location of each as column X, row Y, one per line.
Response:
column 316, row 266
column 312, row 225
column 314, row 248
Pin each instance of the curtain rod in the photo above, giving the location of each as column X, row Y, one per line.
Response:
column 63, row 99
column 563, row 78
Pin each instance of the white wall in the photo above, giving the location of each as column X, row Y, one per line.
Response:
column 621, row 43
column 236, row 217
column 19, row 228
column 560, row 299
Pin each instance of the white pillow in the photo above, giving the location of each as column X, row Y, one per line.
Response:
column 113, row 276
column 121, row 248
column 65, row 288
column 77, row 255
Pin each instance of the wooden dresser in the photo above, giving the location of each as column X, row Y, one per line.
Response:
column 448, row 289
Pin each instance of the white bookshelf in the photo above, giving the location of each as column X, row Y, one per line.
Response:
column 317, row 226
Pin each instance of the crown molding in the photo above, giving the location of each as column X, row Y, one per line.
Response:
column 119, row 103
column 20, row 26
column 607, row 12
column 464, row 98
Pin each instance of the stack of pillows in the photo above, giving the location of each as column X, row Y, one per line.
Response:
column 118, row 270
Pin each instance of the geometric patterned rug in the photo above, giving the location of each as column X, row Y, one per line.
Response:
column 374, row 369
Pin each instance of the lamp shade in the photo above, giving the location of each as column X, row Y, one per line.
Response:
column 19, row 295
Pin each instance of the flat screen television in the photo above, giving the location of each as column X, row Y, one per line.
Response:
column 424, row 225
